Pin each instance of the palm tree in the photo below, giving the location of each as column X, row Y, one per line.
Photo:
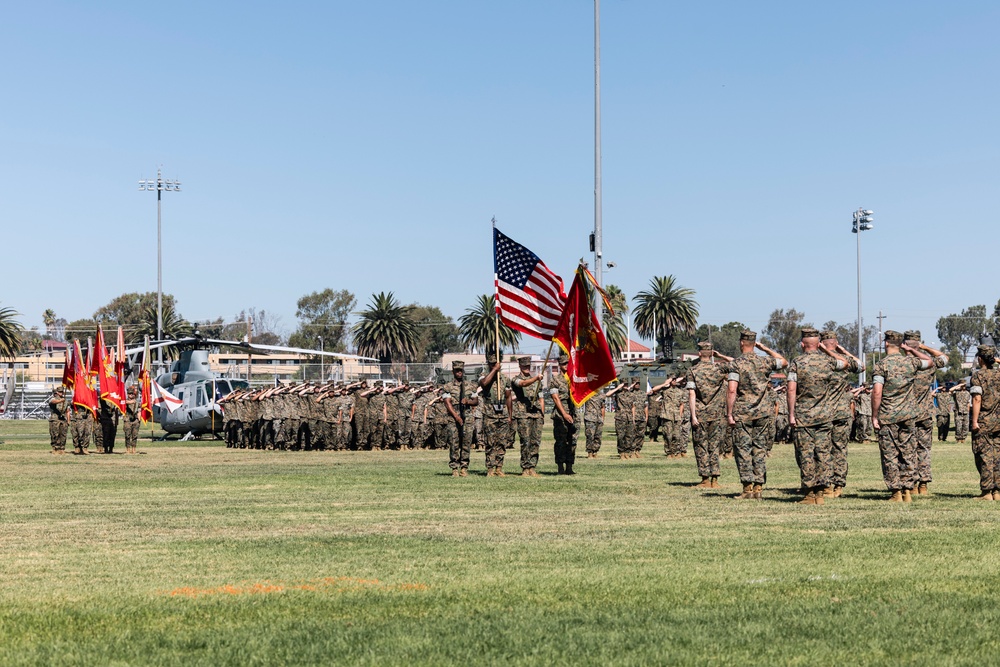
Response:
column 477, row 327
column 385, row 330
column 49, row 319
column 615, row 332
column 617, row 298
column 174, row 326
column 10, row 333
column 663, row 309
column 614, row 325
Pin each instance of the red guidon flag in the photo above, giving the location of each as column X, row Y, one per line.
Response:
column 112, row 390
column 68, row 370
column 84, row 394
column 580, row 336
column 145, row 388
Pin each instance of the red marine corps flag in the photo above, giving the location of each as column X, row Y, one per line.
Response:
column 145, row 388
column 84, row 394
column 112, row 390
column 580, row 336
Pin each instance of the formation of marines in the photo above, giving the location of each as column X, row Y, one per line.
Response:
column 727, row 407
column 73, row 422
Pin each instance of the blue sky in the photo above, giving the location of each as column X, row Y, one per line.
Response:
column 366, row 146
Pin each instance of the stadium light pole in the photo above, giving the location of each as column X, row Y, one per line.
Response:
column 160, row 185
column 862, row 223
column 597, row 243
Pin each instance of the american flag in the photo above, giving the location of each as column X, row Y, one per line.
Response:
column 529, row 297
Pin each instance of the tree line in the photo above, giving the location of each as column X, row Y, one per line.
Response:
column 392, row 332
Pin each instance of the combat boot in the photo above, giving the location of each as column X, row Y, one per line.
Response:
column 715, row 482
column 464, row 472
column 491, row 472
column 499, row 472
column 829, row 492
column 569, row 469
column 838, row 491
column 923, row 489
column 996, row 493
column 525, row 472
column 757, row 489
column 747, row 492
column 560, row 469
column 810, row 499
column 987, row 495
column 907, row 496
column 896, row 497
column 706, row 483
column 454, row 472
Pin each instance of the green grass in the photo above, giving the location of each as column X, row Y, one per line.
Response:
column 378, row 558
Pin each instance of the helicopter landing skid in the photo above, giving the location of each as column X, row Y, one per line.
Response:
column 188, row 436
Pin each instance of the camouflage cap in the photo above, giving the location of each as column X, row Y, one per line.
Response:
column 563, row 358
column 704, row 345
column 809, row 332
column 746, row 334
column 524, row 362
column 986, row 352
column 828, row 334
column 912, row 334
column 458, row 365
column 60, row 389
column 893, row 337
column 491, row 357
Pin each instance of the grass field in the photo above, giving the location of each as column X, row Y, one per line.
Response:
column 192, row 554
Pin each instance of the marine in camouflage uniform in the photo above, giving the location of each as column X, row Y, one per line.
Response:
column 816, row 399
column 749, row 412
column 565, row 420
column 963, row 399
column 59, row 409
column 924, row 424
column 421, row 420
column 130, row 421
column 404, row 424
column 593, row 422
column 81, row 423
column 624, row 416
column 895, row 410
column 675, row 397
column 498, row 422
column 944, row 404
column 861, row 431
column 377, row 419
column 459, row 397
column 108, row 426
column 640, row 415
column 529, row 414
column 842, row 420
column 360, row 425
column 781, row 428
column 985, row 392
column 706, row 387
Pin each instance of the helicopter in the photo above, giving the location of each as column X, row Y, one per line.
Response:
column 191, row 379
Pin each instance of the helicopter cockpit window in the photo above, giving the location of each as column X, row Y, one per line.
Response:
column 210, row 390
